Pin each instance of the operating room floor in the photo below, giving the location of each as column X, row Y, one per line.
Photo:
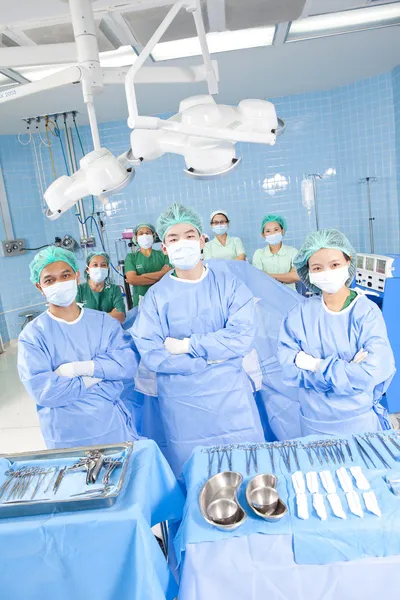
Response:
column 19, row 424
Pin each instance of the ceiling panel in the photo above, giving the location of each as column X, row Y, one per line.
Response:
column 62, row 33
column 144, row 23
column 257, row 13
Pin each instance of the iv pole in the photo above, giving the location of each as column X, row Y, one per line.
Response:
column 371, row 219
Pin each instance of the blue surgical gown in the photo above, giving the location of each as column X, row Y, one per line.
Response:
column 278, row 403
column 205, row 396
column 341, row 397
column 69, row 414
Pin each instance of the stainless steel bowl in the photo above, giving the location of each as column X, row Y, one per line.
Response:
column 218, row 499
column 280, row 512
column 222, row 511
column 263, row 480
column 263, row 498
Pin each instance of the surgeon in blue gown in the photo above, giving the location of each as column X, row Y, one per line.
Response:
column 72, row 361
column 193, row 329
column 334, row 346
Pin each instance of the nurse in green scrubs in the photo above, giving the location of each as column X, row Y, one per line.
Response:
column 146, row 266
column 98, row 292
column 276, row 259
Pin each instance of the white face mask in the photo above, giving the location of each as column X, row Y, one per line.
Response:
column 274, row 239
column 61, row 293
column 145, row 241
column 330, row 281
column 220, row 229
column 98, row 274
column 184, row 254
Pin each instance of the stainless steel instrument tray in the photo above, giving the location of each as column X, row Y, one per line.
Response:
column 52, row 506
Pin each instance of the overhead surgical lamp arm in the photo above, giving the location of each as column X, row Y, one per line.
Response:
column 229, row 135
column 192, row 6
column 64, row 77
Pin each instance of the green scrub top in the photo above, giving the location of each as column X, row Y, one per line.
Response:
column 275, row 264
column 109, row 298
column 142, row 264
column 230, row 251
column 349, row 299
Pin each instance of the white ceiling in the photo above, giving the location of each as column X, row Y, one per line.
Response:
column 267, row 72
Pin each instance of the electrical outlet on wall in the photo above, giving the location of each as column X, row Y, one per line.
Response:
column 13, row 247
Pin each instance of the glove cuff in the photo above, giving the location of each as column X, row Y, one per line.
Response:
column 85, row 368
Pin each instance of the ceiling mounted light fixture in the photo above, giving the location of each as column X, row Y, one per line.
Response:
column 222, row 41
column 347, row 21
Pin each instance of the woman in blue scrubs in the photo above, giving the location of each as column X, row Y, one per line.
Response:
column 334, row 346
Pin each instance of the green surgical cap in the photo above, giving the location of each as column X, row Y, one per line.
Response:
column 50, row 255
column 271, row 218
column 92, row 254
column 325, row 238
column 175, row 214
column 136, row 229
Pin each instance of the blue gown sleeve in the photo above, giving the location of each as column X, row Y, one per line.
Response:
column 289, row 346
column 119, row 361
column 41, row 383
column 237, row 337
column 349, row 378
column 149, row 339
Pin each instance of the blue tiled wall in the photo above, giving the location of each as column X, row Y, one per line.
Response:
column 27, row 214
column 351, row 130
column 364, row 121
column 396, row 100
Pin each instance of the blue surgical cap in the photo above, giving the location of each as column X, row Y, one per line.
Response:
column 325, row 238
column 50, row 255
column 175, row 214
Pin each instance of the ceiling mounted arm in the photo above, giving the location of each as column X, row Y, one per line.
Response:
column 191, row 6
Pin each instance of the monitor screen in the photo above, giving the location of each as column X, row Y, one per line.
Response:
column 381, row 266
column 360, row 262
column 370, row 264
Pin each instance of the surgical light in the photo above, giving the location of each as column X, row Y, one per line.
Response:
column 205, row 134
column 100, row 174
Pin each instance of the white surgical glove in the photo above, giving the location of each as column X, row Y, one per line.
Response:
column 319, row 506
column 89, row 381
column 175, row 346
column 361, row 481
column 372, row 503
column 83, row 368
column 312, row 482
column 327, row 482
column 298, row 482
column 360, row 357
column 302, row 506
column 336, row 506
column 307, row 362
column 354, row 502
column 345, row 480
